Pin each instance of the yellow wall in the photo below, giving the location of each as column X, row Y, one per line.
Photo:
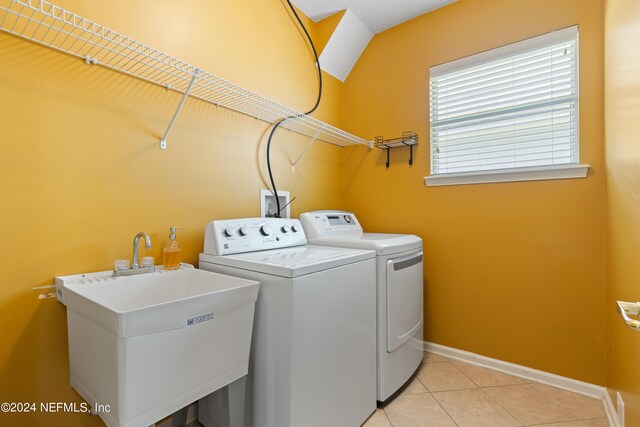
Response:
column 325, row 29
column 622, row 107
column 81, row 171
column 513, row 271
column 507, row 264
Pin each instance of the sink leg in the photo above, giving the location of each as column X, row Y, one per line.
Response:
column 224, row 407
column 179, row 418
column 237, row 390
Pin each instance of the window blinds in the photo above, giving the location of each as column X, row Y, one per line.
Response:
column 515, row 106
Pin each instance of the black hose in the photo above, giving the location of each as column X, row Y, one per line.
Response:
column 281, row 121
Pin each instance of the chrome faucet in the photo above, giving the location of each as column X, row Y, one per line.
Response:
column 136, row 240
column 135, row 268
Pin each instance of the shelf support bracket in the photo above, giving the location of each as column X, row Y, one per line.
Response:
column 293, row 165
column 410, row 155
column 387, row 164
column 163, row 141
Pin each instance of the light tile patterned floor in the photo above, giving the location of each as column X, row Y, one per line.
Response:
column 448, row 392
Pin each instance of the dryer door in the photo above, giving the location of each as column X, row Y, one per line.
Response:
column 404, row 299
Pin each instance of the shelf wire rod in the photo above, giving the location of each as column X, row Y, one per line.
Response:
column 18, row 14
column 124, row 43
column 52, row 25
column 32, row 21
column 34, row 39
column 163, row 141
column 159, row 72
column 26, row 20
column 100, row 50
column 123, row 57
column 328, row 131
column 272, row 105
column 38, row 24
column 80, row 39
column 226, row 100
column 25, row 24
column 232, row 98
column 119, row 53
column 107, row 52
column 72, row 37
column 233, row 102
column 124, row 54
column 7, row 13
column 230, row 103
column 63, row 31
column 172, row 81
column 136, row 67
column 235, row 91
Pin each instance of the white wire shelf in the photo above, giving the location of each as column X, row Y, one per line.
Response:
column 49, row 25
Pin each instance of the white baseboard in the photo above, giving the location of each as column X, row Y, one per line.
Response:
column 565, row 383
column 610, row 409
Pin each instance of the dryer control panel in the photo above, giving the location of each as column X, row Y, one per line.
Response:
column 234, row 236
column 330, row 224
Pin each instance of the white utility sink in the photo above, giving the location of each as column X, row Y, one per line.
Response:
column 150, row 344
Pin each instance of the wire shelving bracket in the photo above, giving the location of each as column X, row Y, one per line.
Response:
column 46, row 24
column 408, row 139
column 163, row 141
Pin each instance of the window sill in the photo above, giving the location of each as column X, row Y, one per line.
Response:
column 509, row 175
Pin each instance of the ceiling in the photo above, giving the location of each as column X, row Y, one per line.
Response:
column 376, row 15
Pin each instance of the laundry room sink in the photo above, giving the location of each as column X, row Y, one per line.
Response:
column 150, row 344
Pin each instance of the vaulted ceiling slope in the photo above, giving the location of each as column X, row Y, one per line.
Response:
column 376, row 15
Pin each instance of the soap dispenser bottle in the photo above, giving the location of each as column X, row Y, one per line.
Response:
column 171, row 252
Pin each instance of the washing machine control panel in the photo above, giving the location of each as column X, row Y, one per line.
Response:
column 330, row 224
column 234, row 236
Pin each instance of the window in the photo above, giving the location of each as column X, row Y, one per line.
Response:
column 507, row 114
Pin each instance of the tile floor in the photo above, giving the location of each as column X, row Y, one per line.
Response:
column 447, row 392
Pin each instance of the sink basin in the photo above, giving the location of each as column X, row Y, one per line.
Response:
column 150, row 344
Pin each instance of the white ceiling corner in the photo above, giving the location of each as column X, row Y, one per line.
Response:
column 345, row 46
column 376, row 15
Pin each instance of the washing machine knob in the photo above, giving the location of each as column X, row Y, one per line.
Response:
column 295, row 228
column 265, row 230
column 286, row 229
column 244, row 231
column 229, row 231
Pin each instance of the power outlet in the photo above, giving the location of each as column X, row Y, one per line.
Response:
column 620, row 409
column 268, row 205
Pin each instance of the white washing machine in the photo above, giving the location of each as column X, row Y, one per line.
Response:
column 399, row 286
column 313, row 350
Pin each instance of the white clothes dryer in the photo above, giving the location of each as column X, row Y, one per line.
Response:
column 313, row 351
column 399, row 284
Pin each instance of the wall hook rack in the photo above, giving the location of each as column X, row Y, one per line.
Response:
column 408, row 139
column 56, row 28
